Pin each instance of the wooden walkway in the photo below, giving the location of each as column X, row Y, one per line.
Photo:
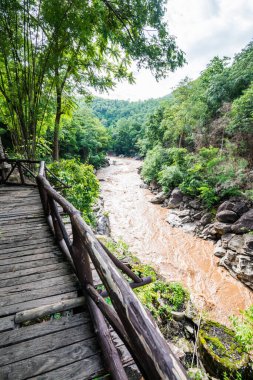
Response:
column 34, row 273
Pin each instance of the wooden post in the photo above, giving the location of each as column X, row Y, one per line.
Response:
column 82, row 264
column 153, row 355
column 22, row 178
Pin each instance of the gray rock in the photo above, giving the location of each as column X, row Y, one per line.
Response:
column 206, row 219
column 236, row 243
column 159, row 198
column 227, row 216
column 209, row 231
column 197, row 216
column 103, row 226
column 189, row 227
column 248, row 243
column 176, row 351
column 195, row 204
column 244, row 224
column 176, row 198
column 219, row 251
column 153, row 186
column 174, row 220
column 144, row 186
column 225, row 240
column 240, row 207
column 178, row 315
column 186, row 219
column 183, row 213
column 222, row 228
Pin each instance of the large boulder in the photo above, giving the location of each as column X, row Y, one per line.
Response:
column 219, row 251
column 174, row 220
column 220, row 352
column 176, row 198
column 248, row 243
column 206, row 219
column 239, row 207
column 222, row 228
column 227, row 216
column 244, row 223
column 236, row 243
column 159, row 198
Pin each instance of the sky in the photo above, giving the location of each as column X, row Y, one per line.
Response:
column 203, row 29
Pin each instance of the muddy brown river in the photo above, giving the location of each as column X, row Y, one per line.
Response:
column 175, row 254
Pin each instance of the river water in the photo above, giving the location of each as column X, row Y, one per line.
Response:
column 175, row 254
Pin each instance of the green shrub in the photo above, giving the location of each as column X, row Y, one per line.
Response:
column 84, row 186
column 161, row 298
column 170, row 177
column 153, row 163
column 244, row 328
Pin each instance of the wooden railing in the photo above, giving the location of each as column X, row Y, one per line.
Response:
column 127, row 316
column 26, row 172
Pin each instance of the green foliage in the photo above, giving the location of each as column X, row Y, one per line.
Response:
column 244, row 328
column 125, row 121
column 170, row 177
column 49, row 50
column 84, row 137
column 83, row 185
column 210, row 174
column 161, row 298
column 154, row 161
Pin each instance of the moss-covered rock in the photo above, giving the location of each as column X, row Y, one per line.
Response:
column 220, row 352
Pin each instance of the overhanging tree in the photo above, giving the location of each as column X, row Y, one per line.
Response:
column 51, row 47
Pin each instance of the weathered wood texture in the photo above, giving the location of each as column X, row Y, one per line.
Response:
column 36, row 281
column 136, row 328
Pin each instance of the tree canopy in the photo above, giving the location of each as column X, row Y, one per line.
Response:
column 52, row 49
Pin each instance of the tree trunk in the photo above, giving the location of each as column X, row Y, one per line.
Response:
column 57, row 125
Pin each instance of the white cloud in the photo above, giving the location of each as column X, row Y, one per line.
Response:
column 204, row 28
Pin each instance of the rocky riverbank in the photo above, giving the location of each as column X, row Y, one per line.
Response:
column 180, row 326
column 231, row 227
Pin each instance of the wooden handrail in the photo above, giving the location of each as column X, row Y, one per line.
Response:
column 129, row 318
column 22, row 168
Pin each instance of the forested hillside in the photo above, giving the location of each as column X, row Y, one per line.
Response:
column 199, row 138
column 125, row 121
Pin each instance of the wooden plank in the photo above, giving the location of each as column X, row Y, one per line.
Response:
column 82, row 351
column 35, row 303
column 21, row 238
column 22, row 220
column 39, row 241
column 82, row 367
column 23, row 255
column 28, row 249
column 32, row 264
column 45, row 343
column 21, row 230
column 39, row 269
column 6, row 323
column 23, row 259
column 44, row 328
column 55, row 273
column 70, row 278
column 41, row 311
column 79, row 370
column 9, row 301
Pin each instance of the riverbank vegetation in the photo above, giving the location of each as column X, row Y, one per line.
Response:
column 199, row 138
column 223, row 351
